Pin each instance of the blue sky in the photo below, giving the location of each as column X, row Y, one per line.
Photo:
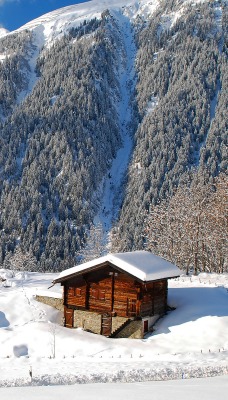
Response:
column 15, row 13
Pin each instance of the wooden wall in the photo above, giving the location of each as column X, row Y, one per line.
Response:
column 154, row 298
column 110, row 291
column 75, row 292
column 126, row 294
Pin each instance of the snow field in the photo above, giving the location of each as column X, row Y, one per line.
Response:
column 205, row 389
column 191, row 341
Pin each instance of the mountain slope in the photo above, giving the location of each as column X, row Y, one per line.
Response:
column 83, row 87
column 182, row 68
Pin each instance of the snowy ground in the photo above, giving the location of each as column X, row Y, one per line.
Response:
column 191, row 341
column 191, row 389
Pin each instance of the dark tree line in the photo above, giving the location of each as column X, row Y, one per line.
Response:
column 57, row 146
column 182, row 71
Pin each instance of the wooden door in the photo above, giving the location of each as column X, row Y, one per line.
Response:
column 131, row 307
column 106, row 324
column 69, row 317
column 145, row 326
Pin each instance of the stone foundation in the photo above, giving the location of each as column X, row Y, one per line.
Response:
column 90, row 321
column 51, row 301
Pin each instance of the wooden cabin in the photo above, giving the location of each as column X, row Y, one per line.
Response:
column 108, row 295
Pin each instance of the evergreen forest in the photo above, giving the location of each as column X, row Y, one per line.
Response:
column 59, row 137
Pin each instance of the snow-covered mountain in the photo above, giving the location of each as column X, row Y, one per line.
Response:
column 105, row 107
column 56, row 23
column 3, row 32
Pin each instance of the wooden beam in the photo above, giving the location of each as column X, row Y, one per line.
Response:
column 112, row 290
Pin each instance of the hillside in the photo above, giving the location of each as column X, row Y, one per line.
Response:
column 105, row 108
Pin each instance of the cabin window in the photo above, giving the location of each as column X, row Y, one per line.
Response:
column 98, row 294
column 101, row 295
column 77, row 291
column 95, row 294
column 131, row 307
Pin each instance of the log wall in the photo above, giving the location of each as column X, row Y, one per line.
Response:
column 110, row 291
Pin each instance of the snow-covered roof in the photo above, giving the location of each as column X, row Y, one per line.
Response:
column 143, row 265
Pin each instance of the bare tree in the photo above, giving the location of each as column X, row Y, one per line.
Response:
column 190, row 228
column 217, row 226
column 21, row 260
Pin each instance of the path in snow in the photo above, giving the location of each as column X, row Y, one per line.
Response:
column 111, row 193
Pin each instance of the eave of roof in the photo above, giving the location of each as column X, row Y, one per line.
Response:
column 143, row 265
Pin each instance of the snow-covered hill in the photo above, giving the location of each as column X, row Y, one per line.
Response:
column 191, row 341
column 54, row 24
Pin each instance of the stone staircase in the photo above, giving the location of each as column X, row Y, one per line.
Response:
column 119, row 329
column 129, row 329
